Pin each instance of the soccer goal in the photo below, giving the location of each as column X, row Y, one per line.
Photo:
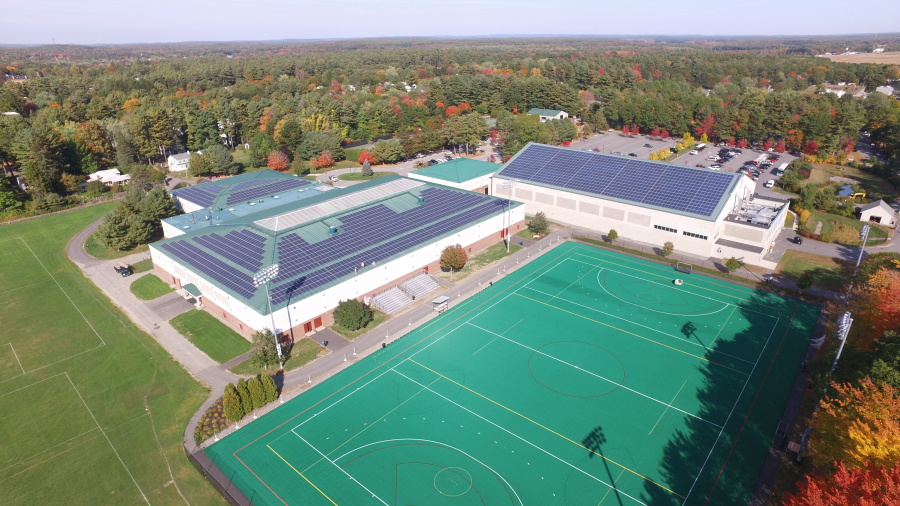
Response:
column 683, row 267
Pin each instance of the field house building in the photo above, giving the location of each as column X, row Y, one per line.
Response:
column 330, row 244
column 703, row 212
column 462, row 173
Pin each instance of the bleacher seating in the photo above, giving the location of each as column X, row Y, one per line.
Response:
column 420, row 286
column 392, row 300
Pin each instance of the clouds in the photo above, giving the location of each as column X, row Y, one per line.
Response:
column 107, row 21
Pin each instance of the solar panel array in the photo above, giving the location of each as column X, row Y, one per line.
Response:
column 219, row 270
column 373, row 234
column 201, row 194
column 668, row 186
column 249, row 190
column 243, row 247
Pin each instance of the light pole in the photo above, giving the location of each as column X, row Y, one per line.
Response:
column 509, row 186
column 842, row 331
column 262, row 278
column 863, row 236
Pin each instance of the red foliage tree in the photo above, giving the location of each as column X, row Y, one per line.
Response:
column 278, row 161
column 811, row 147
column 635, row 130
column 767, row 145
column 730, row 141
column 463, row 107
column 743, row 143
column 439, row 104
column 452, row 111
column 654, row 132
column 626, row 130
column 664, row 134
column 366, row 155
column 869, row 486
column 707, row 126
column 848, row 144
column 779, row 146
column 322, row 161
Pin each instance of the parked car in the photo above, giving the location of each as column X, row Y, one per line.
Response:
column 770, row 183
column 334, row 179
column 123, row 270
column 700, row 165
column 648, row 146
column 798, row 239
column 433, row 162
column 693, row 152
column 716, row 166
column 632, row 154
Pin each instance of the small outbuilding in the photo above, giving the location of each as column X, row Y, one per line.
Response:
column 548, row 114
column 462, row 173
column 878, row 212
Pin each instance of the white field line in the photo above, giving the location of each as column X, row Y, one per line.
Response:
column 54, row 363
column 62, row 290
column 31, row 385
column 48, row 449
column 107, row 438
column 341, row 469
column 17, row 357
column 705, row 461
column 573, row 366
column 23, row 287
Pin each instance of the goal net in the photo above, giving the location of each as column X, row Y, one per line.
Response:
column 683, row 267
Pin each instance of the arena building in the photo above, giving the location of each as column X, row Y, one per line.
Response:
column 329, row 244
column 702, row 212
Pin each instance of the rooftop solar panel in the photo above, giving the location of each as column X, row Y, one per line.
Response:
column 663, row 185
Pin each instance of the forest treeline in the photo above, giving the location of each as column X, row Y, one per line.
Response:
column 74, row 118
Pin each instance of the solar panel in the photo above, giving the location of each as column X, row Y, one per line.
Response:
column 668, row 186
column 201, row 194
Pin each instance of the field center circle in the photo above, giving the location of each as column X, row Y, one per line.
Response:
column 452, row 481
column 577, row 369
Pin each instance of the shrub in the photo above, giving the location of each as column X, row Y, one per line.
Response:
column 804, row 216
column 257, row 395
column 612, row 235
column 212, row 421
column 244, row 395
column 454, row 257
column 539, row 224
column 352, row 314
column 733, row 264
column 668, row 248
column 270, row 389
column 231, row 404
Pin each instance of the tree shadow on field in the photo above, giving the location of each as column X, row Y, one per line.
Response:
column 743, row 391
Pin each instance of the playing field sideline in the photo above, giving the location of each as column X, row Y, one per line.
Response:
column 585, row 377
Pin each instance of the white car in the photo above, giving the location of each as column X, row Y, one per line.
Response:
column 770, row 183
column 694, row 152
column 715, row 166
column 334, row 179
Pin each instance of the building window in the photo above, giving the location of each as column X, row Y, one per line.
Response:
column 667, row 229
column 698, row 236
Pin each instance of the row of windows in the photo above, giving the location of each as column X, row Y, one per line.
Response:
column 698, row 236
column 667, row 229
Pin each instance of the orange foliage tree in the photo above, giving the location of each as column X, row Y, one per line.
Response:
column 859, row 425
column 278, row 161
column 266, row 117
column 868, row 486
column 880, row 300
column 364, row 156
column 322, row 161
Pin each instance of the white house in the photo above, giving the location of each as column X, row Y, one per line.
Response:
column 179, row 162
column 548, row 114
column 878, row 212
column 109, row 177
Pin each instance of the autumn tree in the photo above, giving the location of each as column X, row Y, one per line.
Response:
column 366, row 156
column 324, row 160
column 858, row 425
column 454, row 257
column 811, row 148
column 880, row 300
column 92, row 136
column 780, row 147
column 707, row 126
column 870, row 485
column 667, row 248
column 278, row 160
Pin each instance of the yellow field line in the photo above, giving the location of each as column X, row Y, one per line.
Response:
column 667, row 407
column 708, row 348
column 302, row 476
column 544, row 427
column 633, row 334
column 613, row 487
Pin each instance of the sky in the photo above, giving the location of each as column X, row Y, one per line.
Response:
column 147, row 21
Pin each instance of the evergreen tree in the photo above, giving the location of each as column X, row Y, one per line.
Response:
column 269, row 388
column 263, row 352
column 612, row 236
column 113, row 232
column 257, row 394
column 156, row 205
column 231, row 404
column 244, row 394
column 139, row 230
column 367, row 169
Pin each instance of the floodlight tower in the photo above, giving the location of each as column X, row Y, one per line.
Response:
column 509, row 185
column 863, row 236
column 262, row 278
column 843, row 329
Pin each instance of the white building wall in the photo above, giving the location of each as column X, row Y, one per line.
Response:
column 170, row 230
column 370, row 279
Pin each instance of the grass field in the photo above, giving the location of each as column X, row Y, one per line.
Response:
column 585, row 377
column 827, row 273
column 92, row 410
column 210, row 335
column 822, row 173
column 305, row 351
column 358, row 176
column 889, row 58
column 93, row 248
column 149, row 287
column 850, row 233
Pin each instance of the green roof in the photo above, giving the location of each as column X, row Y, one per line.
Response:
column 544, row 112
column 459, row 170
column 192, row 289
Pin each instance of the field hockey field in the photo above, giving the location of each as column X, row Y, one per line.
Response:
column 585, row 377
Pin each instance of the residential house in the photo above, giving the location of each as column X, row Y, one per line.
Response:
column 878, row 212
column 179, row 162
column 548, row 114
column 109, row 177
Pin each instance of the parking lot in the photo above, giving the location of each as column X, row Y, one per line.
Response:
column 616, row 143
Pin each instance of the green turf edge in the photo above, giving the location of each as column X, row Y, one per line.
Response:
column 210, row 336
column 149, row 287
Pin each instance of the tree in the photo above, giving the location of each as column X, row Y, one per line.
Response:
column 42, row 153
column 231, row 404
column 352, row 314
column 263, row 352
column 612, row 236
column 539, row 224
column 314, row 143
column 269, row 388
column 387, row 151
column 91, row 135
column 870, row 485
column 811, row 148
column 367, row 169
column 732, row 264
column 858, row 425
column 220, row 160
column 8, row 198
column 880, row 300
column 156, row 205
column 667, row 248
column 454, row 257
column 767, row 145
column 626, row 129
column 244, row 394
column 257, row 394
column 806, row 280
column 366, row 156
column 140, row 231
column 199, row 165
column 779, row 146
column 113, row 232
column 278, row 160
column 322, row 161
column 707, row 126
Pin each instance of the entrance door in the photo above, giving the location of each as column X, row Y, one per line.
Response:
column 317, row 322
column 307, row 327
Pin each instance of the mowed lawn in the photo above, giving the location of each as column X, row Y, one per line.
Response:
column 92, row 410
column 210, row 335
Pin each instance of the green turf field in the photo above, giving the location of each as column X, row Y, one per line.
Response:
column 585, row 377
column 92, row 410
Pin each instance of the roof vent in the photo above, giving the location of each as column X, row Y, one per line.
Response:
column 275, row 196
column 421, row 199
column 332, row 230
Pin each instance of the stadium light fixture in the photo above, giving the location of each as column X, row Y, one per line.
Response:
column 262, row 278
column 843, row 329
